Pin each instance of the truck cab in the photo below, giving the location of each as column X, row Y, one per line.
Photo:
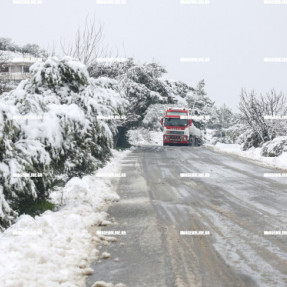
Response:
column 179, row 128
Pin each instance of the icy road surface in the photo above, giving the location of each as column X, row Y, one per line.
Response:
column 235, row 205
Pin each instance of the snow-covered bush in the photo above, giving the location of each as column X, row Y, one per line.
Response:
column 224, row 126
column 256, row 110
column 6, row 86
column 50, row 130
column 237, row 134
column 142, row 136
column 275, row 147
column 252, row 140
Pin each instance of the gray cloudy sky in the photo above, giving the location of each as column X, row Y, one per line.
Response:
column 235, row 34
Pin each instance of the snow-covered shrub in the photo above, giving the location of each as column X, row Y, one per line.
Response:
column 275, row 147
column 237, row 134
column 49, row 128
column 234, row 134
column 142, row 136
column 225, row 125
column 257, row 110
column 252, row 140
column 6, row 86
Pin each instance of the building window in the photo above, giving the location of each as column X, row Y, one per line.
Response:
column 15, row 69
column 26, row 69
column 5, row 69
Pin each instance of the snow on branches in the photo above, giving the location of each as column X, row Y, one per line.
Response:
column 51, row 129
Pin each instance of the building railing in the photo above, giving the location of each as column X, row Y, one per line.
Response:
column 5, row 76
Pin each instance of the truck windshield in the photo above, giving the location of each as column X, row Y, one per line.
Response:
column 175, row 122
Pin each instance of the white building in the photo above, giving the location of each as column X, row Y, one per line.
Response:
column 17, row 69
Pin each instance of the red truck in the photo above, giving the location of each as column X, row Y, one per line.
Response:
column 179, row 128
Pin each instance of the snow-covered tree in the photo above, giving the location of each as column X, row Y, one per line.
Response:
column 34, row 50
column 112, row 69
column 198, row 101
column 149, row 94
column 6, row 44
column 142, row 87
column 3, row 61
column 224, row 125
column 50, row 126
column 222, row 118
column 255, row 111
column 177, row 92
column 200, row 104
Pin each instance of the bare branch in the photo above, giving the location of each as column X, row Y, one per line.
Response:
column 254, row 111
column 87, row 45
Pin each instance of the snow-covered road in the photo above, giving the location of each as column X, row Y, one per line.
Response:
column 236, row 206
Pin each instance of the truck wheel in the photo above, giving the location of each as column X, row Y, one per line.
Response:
column 190, row 141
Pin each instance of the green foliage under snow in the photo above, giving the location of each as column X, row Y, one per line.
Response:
column 49, row 128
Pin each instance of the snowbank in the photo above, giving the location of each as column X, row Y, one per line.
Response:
column 143, row 136
column 104, row 284
column 253, row 154
column 275, row 147
column 55, row 249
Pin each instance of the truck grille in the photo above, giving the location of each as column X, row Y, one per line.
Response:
column 176, row 132
column 174, row 138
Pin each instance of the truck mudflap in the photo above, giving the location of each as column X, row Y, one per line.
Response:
column 195, row 141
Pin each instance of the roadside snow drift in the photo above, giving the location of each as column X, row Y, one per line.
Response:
column 255, row 154
column 142, row 136
column 55, row 249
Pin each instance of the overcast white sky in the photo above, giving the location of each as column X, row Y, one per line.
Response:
column 235, row 34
